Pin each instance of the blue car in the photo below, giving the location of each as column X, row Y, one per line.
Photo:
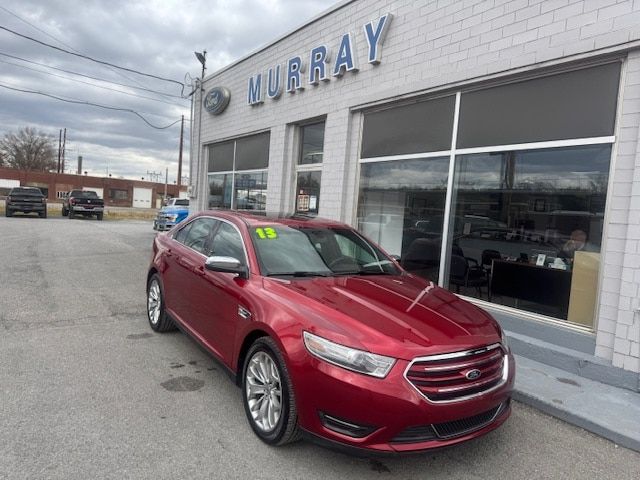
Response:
column 176, row 210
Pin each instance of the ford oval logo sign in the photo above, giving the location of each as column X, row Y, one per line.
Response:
column 217, row 100
column 473, row 374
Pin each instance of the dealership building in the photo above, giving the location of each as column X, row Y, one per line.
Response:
column 493, row 146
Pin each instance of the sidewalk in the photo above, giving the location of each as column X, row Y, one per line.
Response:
column 613, row 413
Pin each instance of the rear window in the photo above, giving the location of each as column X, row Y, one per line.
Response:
column 26, row 191
column 84, row 194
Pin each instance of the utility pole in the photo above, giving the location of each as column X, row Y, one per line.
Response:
column 166, row 180
column 59, row 149
column 180, row 155
column 64, row 142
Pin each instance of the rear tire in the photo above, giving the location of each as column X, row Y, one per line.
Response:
column 267, row 394
column 156, row 313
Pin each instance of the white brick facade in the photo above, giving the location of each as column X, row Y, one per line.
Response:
column 438, row 45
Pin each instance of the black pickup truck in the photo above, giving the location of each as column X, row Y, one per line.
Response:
column 26, row 200
column 83, row 202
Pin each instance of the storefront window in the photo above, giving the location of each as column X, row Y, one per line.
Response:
column 401, row 207
column 238, row 173
column 308, row 192
column 527, row 228
column 309, row 168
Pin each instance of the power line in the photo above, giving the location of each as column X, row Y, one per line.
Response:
column 82, row 102
column 61, row 42
column 91, row 84
column 86, row 57
column 88, row 76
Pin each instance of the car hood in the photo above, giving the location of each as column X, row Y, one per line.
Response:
column 402, row 316
column 176, row 210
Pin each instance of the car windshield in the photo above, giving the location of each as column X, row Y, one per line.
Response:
column 26, row 191
column 317, row 251
column 182, row 202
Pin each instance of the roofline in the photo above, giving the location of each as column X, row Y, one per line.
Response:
column 253, row 53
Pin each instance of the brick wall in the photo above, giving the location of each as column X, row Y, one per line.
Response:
column 434, row 45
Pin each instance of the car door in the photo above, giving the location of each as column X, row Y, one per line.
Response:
column 223, row 297
column 185, row 267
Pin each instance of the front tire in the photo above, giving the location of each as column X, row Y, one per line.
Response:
column 70, row 213
column 156, row 313
column 65, row 212
column 8, row 213
column 267, row 394
column 99, row 216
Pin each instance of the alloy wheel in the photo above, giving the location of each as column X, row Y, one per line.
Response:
column 264, row 391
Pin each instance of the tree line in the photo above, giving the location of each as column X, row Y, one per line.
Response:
column 28, row 149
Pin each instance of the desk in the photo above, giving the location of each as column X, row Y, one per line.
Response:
column 524, row 281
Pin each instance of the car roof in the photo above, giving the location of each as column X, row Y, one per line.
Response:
column 281, row 218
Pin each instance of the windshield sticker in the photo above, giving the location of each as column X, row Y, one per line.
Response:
column 266, row 233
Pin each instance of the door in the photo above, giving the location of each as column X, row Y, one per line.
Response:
column 185, row 265
column 99, row 191
column 222, row 295
column 142, row 197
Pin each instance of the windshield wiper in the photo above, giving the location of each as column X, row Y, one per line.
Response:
column 300, row 274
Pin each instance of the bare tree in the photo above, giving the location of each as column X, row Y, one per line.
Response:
column 28, row 150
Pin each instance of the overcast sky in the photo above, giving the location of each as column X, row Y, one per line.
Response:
column 156, row 37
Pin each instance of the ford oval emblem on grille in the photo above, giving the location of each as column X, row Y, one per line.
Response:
column 473, row 374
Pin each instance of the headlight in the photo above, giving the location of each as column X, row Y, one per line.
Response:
column 172, row 218
column 349, row 358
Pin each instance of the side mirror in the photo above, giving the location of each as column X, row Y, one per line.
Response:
column 226, row 265
column 396, row 257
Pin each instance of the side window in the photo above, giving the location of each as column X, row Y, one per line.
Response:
column 181, row 235
column 228, row 243
column 198, row 235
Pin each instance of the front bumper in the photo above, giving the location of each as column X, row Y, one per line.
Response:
column 163, row 224
column 27, row 207
column 85, row 209
column 391, row 416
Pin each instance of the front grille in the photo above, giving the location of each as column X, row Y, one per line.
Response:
column 448, row 430
column 460, row 375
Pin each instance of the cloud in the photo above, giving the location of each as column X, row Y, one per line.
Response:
column 157, row 37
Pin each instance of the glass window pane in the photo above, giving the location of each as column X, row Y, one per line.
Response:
column 252, row 152
column 416, row 128
column 308, row 192
column 251, row 191
column 577, row 104
column 221, row 157
column 228, row 243
column 198, row 235
column 401, row 207
column 527, row 229
column 312, row 138
column 220, row 190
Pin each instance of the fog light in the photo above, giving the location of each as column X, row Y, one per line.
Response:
column 345, row 427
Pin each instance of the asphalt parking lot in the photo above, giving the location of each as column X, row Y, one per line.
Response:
column 89, row 391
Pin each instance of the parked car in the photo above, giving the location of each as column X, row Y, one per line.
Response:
column 176, row 210
column 26, row 200
column 82, row 202
column 327, row 336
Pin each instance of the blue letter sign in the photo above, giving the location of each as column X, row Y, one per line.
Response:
column 317, row 65
column 345, row 62
column 375, row 37
column 255, row 90
column 294, row 70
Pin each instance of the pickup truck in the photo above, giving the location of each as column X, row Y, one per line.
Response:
column 176, row 210
column 82, row 202
column 26, row 200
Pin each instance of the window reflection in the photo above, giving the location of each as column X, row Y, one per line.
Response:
column 251, row 191
column 401, row 208
column 220, row 190
column 527, row 228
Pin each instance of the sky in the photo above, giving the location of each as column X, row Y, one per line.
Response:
column 155, row 37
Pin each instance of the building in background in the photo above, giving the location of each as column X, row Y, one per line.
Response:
column 116, row 192
column 492, row 146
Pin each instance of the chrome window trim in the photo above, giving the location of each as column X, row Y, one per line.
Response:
column 465, row 353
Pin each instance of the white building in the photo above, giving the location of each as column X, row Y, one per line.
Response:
column 498, row 138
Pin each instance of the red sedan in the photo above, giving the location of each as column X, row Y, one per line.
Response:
column 328, row 336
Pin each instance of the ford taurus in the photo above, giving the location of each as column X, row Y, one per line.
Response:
column 327, row 336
